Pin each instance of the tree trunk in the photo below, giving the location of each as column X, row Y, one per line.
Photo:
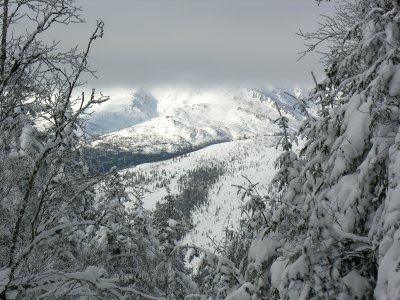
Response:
column 4, row 39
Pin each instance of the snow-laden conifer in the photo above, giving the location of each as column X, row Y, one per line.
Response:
column 333, row 228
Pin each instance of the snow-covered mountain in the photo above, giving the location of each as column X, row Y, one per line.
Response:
column 135, row 127
column 252, row 158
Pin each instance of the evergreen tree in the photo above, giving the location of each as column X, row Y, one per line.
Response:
column 332, row 225
column 172, row 274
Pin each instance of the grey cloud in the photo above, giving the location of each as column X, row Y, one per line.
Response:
column 204, row 41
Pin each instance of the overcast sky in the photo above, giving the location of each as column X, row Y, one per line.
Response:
column 165, row 42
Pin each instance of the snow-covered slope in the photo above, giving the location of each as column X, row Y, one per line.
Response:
column 253, row 158
column 181, row 120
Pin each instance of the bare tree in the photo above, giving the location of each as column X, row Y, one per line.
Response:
column 50, row 212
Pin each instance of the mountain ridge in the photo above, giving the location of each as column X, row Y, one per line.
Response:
column 171, row 122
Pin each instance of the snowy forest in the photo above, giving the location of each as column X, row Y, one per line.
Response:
column 326, row 227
